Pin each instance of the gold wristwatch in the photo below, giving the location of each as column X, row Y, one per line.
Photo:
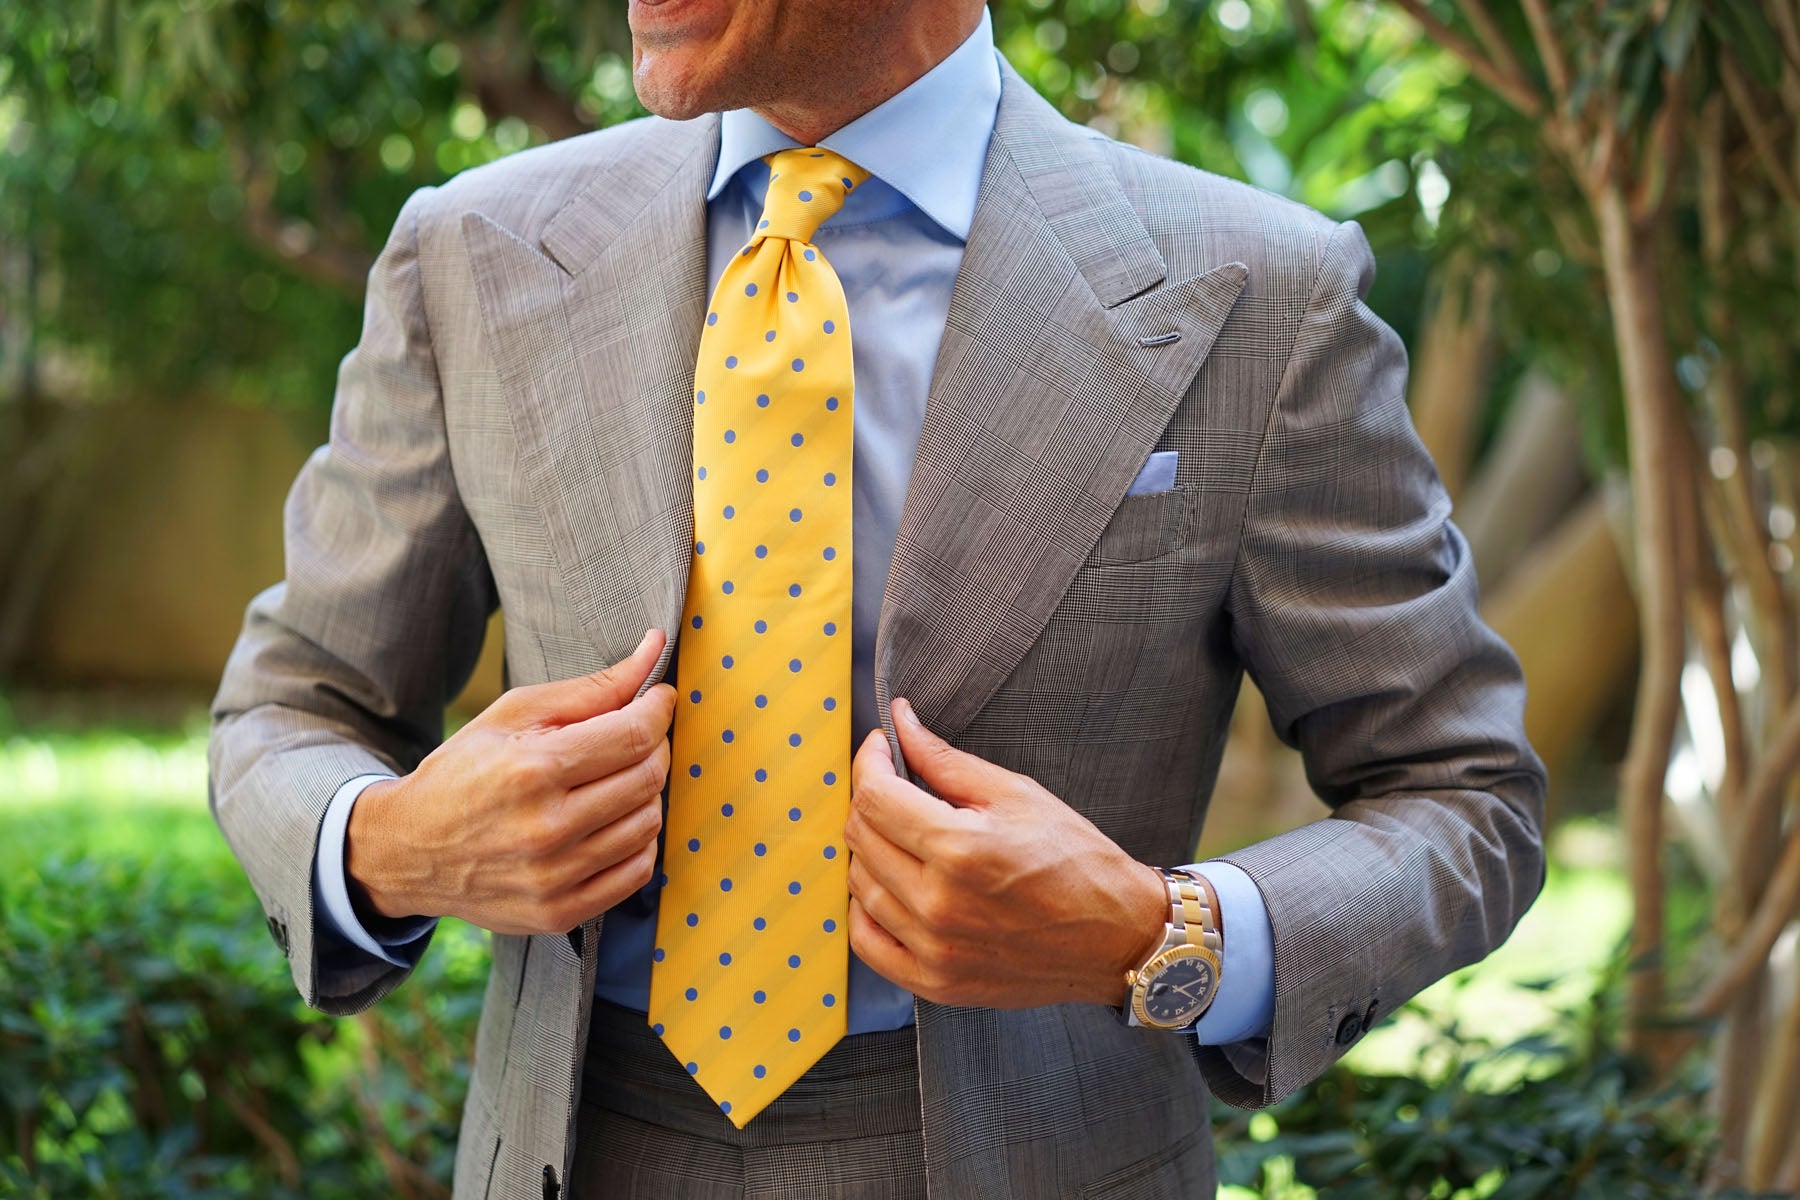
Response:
column 1176, row 984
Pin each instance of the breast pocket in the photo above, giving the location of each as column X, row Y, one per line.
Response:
column 1148, row 527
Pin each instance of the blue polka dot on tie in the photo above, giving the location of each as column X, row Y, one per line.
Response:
column 810, row 255
column 699, row 397
column 799, row 364
column 725, row 810
column 831, row 327
column 759, row 1070
column 761, row 627
column 794, row 665
column 726, row 662
column 793, row 296
column 749, row 289
column 830, row 778
column 657, row 1029
column 793, row 814
column 725, row 1107
column 694, row 771
column 725, row 957
column 728, row 736
column 731, row 362
column 794, row 890
column 793, row 739
column 762, row 401
column 830, row 553
column 730, row 436
column 762, row 476
column 793, row 959
column 830, row 852
column 760, row 924
column 760, row 849
column 730, row 512
column 830, row 925
column 793, row 589
column 726, row 587
column 805, row 196
column 769, row 336
column 693, row 993
column 762, row 702
column 759, row 997
column 711, row 319
column 762, row 552
column 830, row 1000
column 657, row 955
column 694, row 695
column 694, row 1068
column 696, row 621
column 830, row 479
column 831, row 404
column 830, row 703
column 762, row 776
column 830, row 628
column 693, row 919
column 794, row 514
column 725, row 1033
column 847, row 184
column 798, row 439
column 793, row 1035
column 702, row 473
column 725, row 886
column 693, row 844
column 762, row 224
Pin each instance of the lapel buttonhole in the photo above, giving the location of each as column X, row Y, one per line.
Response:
column 1161, row 339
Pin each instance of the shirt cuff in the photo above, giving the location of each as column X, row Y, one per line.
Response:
column 336, row 912
column 1245, row 1005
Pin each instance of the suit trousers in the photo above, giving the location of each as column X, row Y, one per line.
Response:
column 849, row 1129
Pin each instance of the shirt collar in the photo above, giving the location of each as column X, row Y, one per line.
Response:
column 928, row 142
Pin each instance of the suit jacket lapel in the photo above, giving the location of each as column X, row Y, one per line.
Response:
column 1062, row 362
column 594, row 334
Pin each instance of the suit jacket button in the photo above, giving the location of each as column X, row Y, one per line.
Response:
column 278, row 931
column 1349, row 1029
column 551, row 1186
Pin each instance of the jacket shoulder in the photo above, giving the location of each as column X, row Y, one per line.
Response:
column 1199, row 219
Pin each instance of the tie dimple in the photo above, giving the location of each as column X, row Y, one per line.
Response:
column 752, row 952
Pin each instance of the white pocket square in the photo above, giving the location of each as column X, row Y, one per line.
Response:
column 1158, row 475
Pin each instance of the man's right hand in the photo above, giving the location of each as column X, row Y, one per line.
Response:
column 540, row 813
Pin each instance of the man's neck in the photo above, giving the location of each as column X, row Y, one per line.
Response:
column 812, row 119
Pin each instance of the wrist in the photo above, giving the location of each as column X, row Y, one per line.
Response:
column 368, row 854
column 1144, row 923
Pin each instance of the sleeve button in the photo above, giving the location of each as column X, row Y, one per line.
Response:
column 1349, row 1029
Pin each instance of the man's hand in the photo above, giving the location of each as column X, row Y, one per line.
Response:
column 540, row 813
column 997, row 894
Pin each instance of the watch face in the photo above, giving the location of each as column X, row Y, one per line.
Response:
column 1179, row 992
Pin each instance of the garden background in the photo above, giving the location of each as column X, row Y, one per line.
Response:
column 1586, row 214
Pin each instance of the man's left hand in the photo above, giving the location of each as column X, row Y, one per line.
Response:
column 993, row 892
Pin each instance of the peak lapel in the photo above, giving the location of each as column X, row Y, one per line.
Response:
column 594, row 337
column 1064, row 357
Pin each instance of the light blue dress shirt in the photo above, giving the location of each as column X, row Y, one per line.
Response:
column 896, row 245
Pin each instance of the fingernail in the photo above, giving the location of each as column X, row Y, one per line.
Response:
column 906, row 712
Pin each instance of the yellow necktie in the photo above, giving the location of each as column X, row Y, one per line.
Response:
column 752, row 952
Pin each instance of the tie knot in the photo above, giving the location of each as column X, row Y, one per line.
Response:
column 806, row 186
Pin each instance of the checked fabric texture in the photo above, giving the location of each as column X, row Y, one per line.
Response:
column 752, row 952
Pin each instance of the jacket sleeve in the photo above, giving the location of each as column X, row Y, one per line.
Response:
column 345, row 667
column 1353, row 606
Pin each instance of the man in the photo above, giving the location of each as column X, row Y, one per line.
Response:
column 912, row 420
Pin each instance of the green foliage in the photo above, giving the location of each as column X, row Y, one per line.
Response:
column 151, row 1044
column 1539, row 1119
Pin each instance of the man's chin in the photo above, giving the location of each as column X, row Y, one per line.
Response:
column 664, row 90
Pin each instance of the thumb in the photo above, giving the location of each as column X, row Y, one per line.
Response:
column 955, row 775
column 566, row 701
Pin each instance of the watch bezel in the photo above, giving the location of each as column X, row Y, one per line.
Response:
column 1145, row 977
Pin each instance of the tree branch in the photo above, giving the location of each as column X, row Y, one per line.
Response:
column 1516, row 90
column 1662, row 153
column 1738, row 89
column 1549, row 47
column 1494, row 41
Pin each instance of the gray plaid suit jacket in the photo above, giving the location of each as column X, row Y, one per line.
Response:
column 513, row 430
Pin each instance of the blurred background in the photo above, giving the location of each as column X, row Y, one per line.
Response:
column 1586, row 214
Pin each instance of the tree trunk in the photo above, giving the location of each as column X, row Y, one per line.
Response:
column 1634, row 290
column 1529, row 481
column 1449, row 378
